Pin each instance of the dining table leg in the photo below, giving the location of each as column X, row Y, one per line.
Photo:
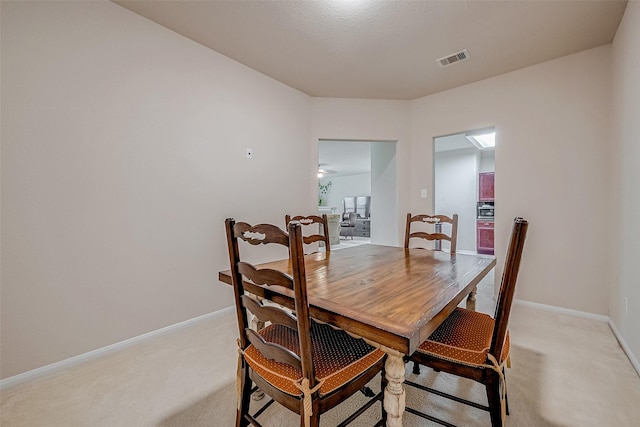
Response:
column 471, row 300
column 257, row 325
column 394, row 396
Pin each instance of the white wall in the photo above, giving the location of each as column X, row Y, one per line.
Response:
column 456, row 192
column 552, row 124
column 552, row 127
column 384, row 204
column 487, row 161
column 119, row 139
column 123, row 150
column 346, row 186
column 624, row 280
column 369, row 120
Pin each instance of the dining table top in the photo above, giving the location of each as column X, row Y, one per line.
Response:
column 393, row 296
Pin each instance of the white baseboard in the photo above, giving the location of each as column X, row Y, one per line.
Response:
column 625, row 347
column 67, row 363
column 597, row 317
column 75, row 360
column 559, row 310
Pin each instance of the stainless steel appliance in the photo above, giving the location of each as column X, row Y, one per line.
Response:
column 485, row 210
column 485, row 228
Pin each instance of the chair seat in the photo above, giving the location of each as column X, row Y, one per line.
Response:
column 338, row 358
column 465, row 337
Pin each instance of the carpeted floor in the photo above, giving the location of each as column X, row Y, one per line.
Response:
column 566, row 371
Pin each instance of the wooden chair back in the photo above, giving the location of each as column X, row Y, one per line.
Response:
column 265, row 234
column 508, row 285
column 312, row 220
column 438, row 235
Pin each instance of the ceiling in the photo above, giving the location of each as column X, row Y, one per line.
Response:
column 344, row 158
column 386, row 49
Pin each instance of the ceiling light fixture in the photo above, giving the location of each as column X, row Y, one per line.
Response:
column 322, row 172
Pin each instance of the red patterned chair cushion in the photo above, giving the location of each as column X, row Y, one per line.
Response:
column 464, row 337
column 338, row 358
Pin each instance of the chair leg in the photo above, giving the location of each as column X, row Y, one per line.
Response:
column 506, row 402
column 245, row 387
column 506, row 395
column 314, row 420
column 493, row 397
column 416, row 368
column 257, row 325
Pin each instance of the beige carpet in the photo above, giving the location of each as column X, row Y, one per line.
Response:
column 566, row 371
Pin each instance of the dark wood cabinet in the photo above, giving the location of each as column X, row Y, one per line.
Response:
column 484, row 237
column 485, row 184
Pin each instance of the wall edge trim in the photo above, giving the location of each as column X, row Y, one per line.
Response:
column 566, row 311
column 625, row 347
column 597, row 317
column 93, row 354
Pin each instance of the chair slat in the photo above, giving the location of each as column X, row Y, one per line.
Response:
column 310, row 220
column 437, row 235
column 273, row 351
column 265, row 276
column 430, row 236
column 432, row 219
column 260, row 234
column 268, row 313
column 312, row 239
column 305, row 220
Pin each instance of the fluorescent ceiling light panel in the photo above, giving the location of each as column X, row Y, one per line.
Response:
column 483, row 141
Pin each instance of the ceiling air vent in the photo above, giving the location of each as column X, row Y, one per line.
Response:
column 463, row 55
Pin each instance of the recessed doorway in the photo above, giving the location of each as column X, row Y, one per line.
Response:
column 464, row 171
column 360, row 176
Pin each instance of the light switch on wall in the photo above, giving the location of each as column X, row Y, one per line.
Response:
column 423, row 193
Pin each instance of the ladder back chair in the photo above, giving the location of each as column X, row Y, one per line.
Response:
column 306, row 366
column 437, row 235
column 312, row 220
column 475, row 345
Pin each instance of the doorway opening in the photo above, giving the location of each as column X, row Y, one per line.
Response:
column 464, row 173
column 357, row 176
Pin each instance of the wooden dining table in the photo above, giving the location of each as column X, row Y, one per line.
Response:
column 392, row 297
